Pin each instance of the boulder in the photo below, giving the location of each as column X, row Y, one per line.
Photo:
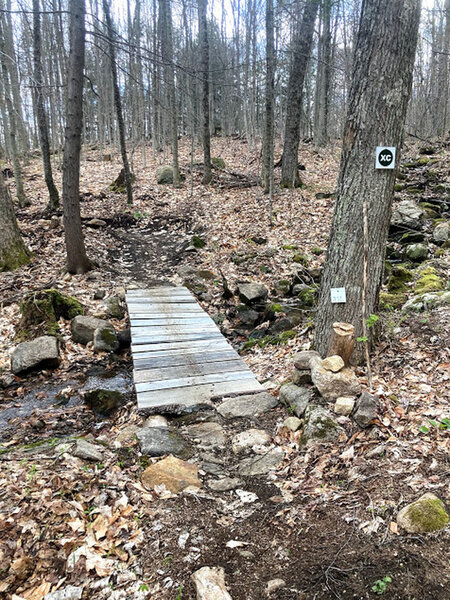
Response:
column 261, row 464
column 87, row 451
column 425, row 515
column 274, row 585
column 43, row 352
column 113, row 308
column 83, row 328
column 301, row 377
column 407, row 214
column 124, row 338
column 159, row 441
column 333, row 364
column 302, row 359
column 292, row 423
column 174, row 473
column 245, row 440
column 225, row 484
column 164, row 174
column 207, row 434
column 366, row 409
column 296, row 398
column 252, row 293
column 104, row 402
column 96, row 223
column 333, row 385
column 441, row 233
column 210, row 584
column 426, row 302
column 105, row 340
column 247, row 406
column 246, row 315
column 320, row 426
column 416, row 252
column 344, row 406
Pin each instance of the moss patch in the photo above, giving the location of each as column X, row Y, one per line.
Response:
column 301, row 259
column 41, row 312
column 307, row 297
column 198, row 242
column 13, row 258
column 429, row 281
column 391, row 301
column 217, row 162
column 426, row 515
column 398, row 277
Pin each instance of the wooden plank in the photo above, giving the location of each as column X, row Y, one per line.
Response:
column 176, row 337
column 189, row 370
column 166, row 359
column 183, row 382
column 201, row 347
column 154, row 307
column 167, row 316
column 169, row 321
column 158, row 290
column 195, row 395
column 172, row 330
column 206, row 344
column 153, row 300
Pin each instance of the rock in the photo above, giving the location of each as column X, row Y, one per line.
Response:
column 71, row 592
column 104, row 402
column 83, row 328
column 99, row 294
column 247, row 439
column 441, row 233
column 282, row 324
column 426, row 514
column 44, row 222
column 247, row 406
column 282, row 287
column 156, row 421
column 114, row 308
column 344, row 405
column 164, row 174
column 416, row 252
column 426, row 302
column 412, row 237
column 407, row 214
column 174, row 473
column 55, row 222
column 87, row 451
column 295, row 397
column 252, row 293
column 225, row 484
column 307, row 297
column 96, row 223
column 124, row 338
column 301, row 377
column 302, row 359
column 333, row 364
column 366, row 409
column 43, row 352
column 160, row 441
column 320, row 426
column 210, row 584
column 105, row 340
column 261, row 464
column 246, row 315
column 207, row 434
column 274, row 584
column 292, row 423
column 333, row 385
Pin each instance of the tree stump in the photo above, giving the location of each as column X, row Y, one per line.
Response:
column 342, row 341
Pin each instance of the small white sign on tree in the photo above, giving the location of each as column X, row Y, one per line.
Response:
column 385, row 157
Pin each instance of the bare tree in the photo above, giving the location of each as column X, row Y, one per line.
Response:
column 267, row 159
column 13, row 252
column 204, row 45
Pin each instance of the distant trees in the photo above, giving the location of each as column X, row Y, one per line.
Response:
column 378, row 99
column 77, row 261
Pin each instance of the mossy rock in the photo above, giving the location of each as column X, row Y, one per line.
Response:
column 118, row 185
column 429, row 210
column 41, row 311
column 416, row 252
column 290, row 247
column 218, row 163
column 428, row 150
column 307, row 297
column 412, row 237
column 425, row 515
column 429, row 281
column 104, row 402
column 414, row 190
column 300, row 259
column 269, row 340
column 391, row 301
column 398, row 277
column 272, row 310
column 399, row 187
column 317, row 251
column 198, row 242
column 164, row 174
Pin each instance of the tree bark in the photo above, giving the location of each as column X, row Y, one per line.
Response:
column 118, row 104
column 53, row 202
column 204, row 45
column 302, row 49
column 77, row 261
column 267, row 166
column 379, row 94
column 13, row 252
column 323, row 80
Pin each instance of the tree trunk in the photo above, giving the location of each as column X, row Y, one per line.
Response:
column 77, row 261
column 53, row 202
column 118, row 103
column 379, row 94
column 206, row 135
column 323, row 80
column 13, row 252
column 302, row 49
column 267, row 166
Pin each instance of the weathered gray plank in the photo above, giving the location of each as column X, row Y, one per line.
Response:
column 189, row 370
column 189, row 381
column 173, row 327
column 181, row 357
column 166, row 317
column 176, row 337
column 184, row 345
column 195, row 395
column 169, row 321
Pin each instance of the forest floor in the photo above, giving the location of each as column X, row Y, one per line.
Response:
column 324, row 521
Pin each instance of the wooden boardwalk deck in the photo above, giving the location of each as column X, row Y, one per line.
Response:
column 181, row 360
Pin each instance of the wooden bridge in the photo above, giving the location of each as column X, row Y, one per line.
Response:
column 181, row 360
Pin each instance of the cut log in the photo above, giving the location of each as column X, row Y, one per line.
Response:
column 342, row 341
